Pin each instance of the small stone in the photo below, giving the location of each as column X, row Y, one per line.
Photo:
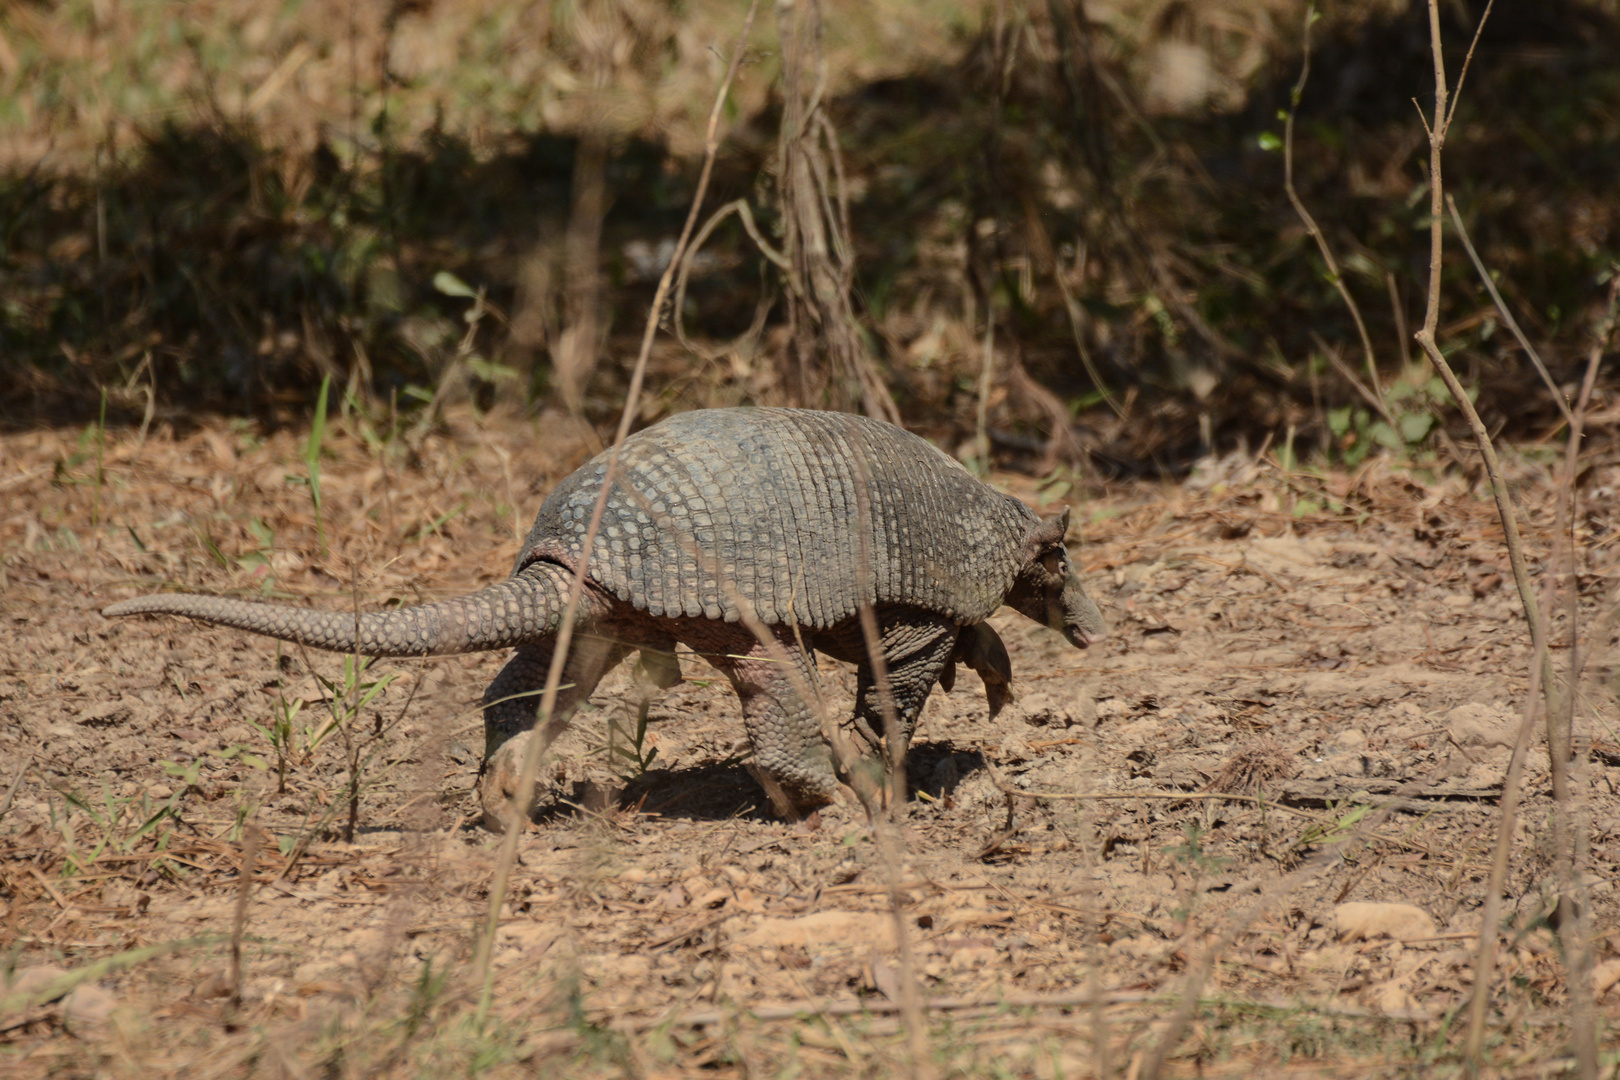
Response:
column 32, row 981
column 1482, row 725
column 216, row 984
column 1361, row 921
column 973, row 956
column 1349, row 740
column 105, row 714
column 713, row 898
column 87, row 1007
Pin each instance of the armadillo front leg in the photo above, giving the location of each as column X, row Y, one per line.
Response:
column 512, row 703
column 916, row 648
column 777, row 685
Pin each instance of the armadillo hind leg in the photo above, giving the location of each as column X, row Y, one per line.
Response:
column 511, row 705
column 657, row 668
column 777, row 686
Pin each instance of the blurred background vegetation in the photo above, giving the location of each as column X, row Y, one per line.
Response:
column 210, row 206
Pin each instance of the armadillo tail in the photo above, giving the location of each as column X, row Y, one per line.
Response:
column 526, row 606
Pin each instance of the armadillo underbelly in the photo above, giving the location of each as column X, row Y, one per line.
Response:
column 714, row 509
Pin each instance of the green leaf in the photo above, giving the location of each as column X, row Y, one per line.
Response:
column 1306, row 507
column 312, row 456
column 1415, row 426
column 371, row 690
column 1385, row 436
column 490, row 371
column 1269, row 141
column 450, row 285
column 1054, row 491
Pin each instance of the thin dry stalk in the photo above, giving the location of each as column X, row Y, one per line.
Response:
column 891, row 853
column 1491, row 915
column 889, row 843
column 1425, row 338
column 1371, row 395
column 1334, row 276
column 531, row 761
column 1570, row 820
column 1072, row 308
column 1002, row 56
column 1402, row 342
column 875, row 1007
column 244, row 892
column 1092, row 920
column 745, row 213
column 16, row 782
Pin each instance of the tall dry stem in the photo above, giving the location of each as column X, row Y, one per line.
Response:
column 1570, row 817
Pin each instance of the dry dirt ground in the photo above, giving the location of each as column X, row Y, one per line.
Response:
column 1308, row 700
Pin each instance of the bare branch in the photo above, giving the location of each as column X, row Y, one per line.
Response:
column 1343, row 369
column 1456, row 93
column 1072, row 307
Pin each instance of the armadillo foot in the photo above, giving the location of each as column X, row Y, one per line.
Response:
column 500, row 780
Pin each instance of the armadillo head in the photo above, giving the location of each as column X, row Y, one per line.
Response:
column 1049, row 591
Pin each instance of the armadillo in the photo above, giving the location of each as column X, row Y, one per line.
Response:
column 756, row 537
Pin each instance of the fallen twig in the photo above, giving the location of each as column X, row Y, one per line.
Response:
column 878, row 1006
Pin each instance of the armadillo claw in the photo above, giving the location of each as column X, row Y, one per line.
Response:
column 500, row 780
column 999, row 695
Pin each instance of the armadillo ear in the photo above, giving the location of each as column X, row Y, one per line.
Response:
column 1046, row 535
